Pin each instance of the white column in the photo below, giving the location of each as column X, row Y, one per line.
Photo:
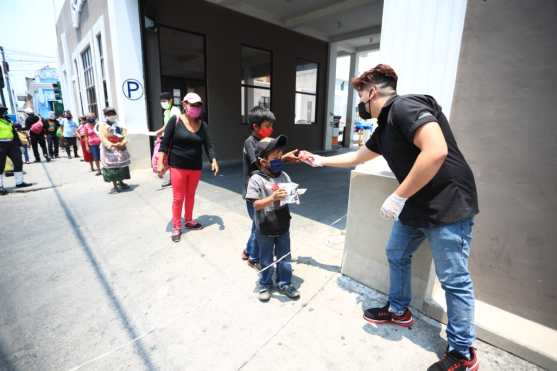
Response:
column 128, row 63
column 421, row 41
column 65, row 75
column 331, row 79
column 349, row 127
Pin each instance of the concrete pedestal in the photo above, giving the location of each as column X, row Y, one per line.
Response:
column 365, row 260
column 367, row 234
column 138, row 146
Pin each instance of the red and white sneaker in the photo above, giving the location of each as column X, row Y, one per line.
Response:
column 382, row 315
column 454, row 361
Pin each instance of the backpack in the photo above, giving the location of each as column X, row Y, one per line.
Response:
column 37, row 127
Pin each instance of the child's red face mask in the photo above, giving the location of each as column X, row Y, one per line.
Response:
column 264, row 132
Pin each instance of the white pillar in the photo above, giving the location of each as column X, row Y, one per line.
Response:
column 128, row 62
column 421, row 41
column 349, row 127
column 331, row 80
column 65, row 77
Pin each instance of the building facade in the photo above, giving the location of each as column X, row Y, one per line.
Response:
column 42, row 89
column 491, row 76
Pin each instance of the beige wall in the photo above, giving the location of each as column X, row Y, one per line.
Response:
column 503, row 117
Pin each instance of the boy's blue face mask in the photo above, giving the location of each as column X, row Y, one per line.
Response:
column 275, row 166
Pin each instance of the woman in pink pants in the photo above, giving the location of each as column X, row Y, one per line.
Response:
column 185, row 139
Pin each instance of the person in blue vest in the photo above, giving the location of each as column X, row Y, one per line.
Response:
column 9, row 147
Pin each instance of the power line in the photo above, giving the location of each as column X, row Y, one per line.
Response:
column 27, row 53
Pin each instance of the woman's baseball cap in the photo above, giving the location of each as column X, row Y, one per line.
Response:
column 192, row 98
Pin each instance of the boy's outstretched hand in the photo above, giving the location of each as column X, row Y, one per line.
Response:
column 291, row 156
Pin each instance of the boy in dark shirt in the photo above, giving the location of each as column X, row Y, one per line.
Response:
column 261, row 120
column 271, row 219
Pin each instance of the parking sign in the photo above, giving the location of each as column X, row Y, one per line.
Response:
column 132, row 89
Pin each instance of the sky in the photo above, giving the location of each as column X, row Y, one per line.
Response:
column 28, row 37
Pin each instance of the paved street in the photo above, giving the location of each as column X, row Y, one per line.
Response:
column 91, row 281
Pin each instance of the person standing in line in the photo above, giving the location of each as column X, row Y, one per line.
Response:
column 169, row 110
column 261, row 121
column 113, row 151
column 51, row 129
column 9, row 147
column 24, row 140
column 82, row 135
column 185, row 138
column 272, row 218
column 69, row 130
column 92, row 142
column 35, row 126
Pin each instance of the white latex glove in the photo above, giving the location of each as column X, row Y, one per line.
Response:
column 392, row 207
column 311, row 159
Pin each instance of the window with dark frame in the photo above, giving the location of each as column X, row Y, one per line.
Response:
column 306, row 92
column 103, row 76
column 89, row 81
column 255, row 83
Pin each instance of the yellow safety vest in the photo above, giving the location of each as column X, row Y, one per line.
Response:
column 6, row 130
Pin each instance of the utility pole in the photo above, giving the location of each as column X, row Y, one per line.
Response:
column 7, row 77
column 3, row 100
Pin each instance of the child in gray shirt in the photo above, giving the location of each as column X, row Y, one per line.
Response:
column 272, row 220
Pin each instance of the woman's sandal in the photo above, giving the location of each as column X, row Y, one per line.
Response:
column 194, row 225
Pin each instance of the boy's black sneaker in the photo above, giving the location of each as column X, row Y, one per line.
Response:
column 3, row 191
column 289, row 291
column 245, row 255
column 264, row 294
column 454, row 361
column 382, row 315
column 23, row 185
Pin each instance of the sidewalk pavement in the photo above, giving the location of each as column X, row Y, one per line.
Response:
column 91, row 281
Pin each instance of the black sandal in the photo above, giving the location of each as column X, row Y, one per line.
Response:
column 194, row 225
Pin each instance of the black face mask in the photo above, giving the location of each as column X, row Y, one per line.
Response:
column 364, row 114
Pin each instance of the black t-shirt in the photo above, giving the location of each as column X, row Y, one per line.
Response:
column 51, row 126
column 451, row 195
column 186, row 148
column 249, row 159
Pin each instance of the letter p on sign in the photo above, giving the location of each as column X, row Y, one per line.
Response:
column 132, row 89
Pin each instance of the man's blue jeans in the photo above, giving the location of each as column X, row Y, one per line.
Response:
column 450, row 248
column 251, row 247
column 270, row 247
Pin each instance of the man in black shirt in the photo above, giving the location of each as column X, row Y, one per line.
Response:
column 436, row 200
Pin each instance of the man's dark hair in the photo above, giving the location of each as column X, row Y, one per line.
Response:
column 258, row 115
column 382, row 76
